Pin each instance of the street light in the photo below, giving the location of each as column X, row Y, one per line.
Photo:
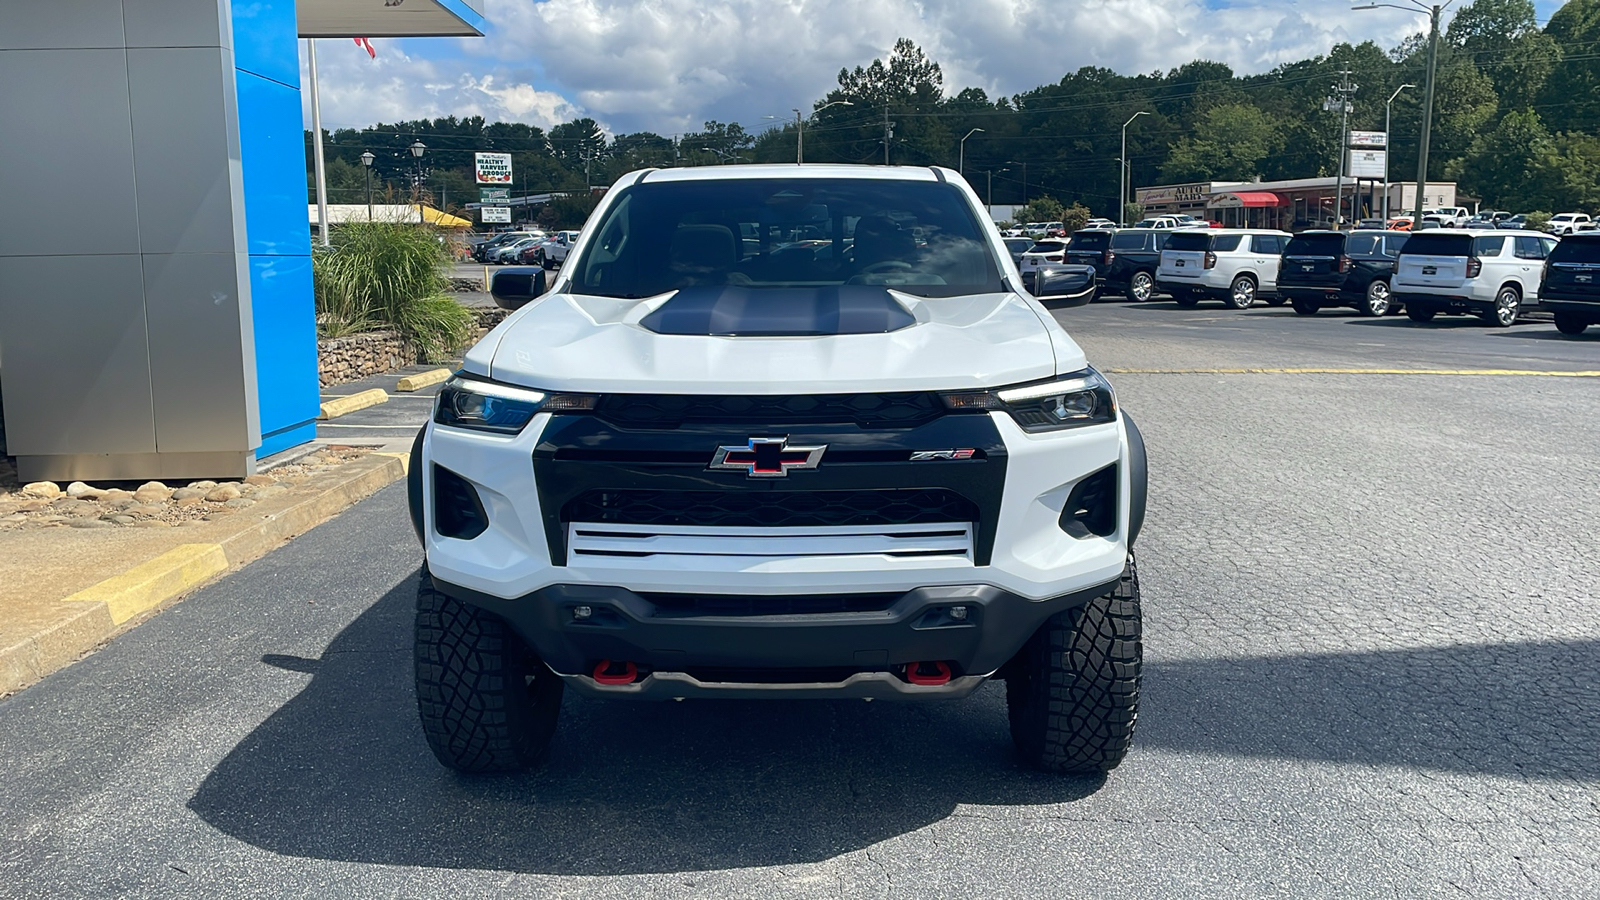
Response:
column 800, row 128
column 417, row 149
column 1122, row 191
column 366, row 166
column 989, row 199
column 1427, row 102
column 962, row 166
column 1388, row 147
column 722, row 155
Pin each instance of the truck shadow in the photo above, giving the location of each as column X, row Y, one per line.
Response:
column 341, row 772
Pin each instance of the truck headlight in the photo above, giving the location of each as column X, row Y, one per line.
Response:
column 1082, row 398
column 481, row 405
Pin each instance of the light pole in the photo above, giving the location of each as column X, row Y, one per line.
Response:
column 366, row 167
column 417, row 149
column 800, row 128
column 962, row 165
column 1122, row 191
column 722, row 155
column 1388, row 147
column 989, row 198
column 1427, row 94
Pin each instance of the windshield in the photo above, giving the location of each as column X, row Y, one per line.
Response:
column 1438, row 245
column 1190, row 241
column 1572, row 249
column 1316, row 245
column 1089, row 240
column 917, row 237
column 1048, row 247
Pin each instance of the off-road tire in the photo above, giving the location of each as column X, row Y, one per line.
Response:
column 1420, row 313
column 1567, row 323
column 487, row 703
column 1305, row 307
column 1072, row 691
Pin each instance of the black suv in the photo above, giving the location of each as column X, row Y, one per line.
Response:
column 1571, row 284
column 1331, row 268
column 1124, row 260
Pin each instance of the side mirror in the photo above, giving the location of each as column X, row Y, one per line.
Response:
column 1064, row 285
column 513, row 288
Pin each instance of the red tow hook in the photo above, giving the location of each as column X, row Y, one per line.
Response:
column 941, row 674
column 626, row 676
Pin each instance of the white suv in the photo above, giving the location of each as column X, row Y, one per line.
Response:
column 699, row 467
column 1566, row 223
column 1490, row 275
column 1232, row 265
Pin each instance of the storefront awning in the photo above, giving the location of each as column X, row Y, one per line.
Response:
column 1246, row 199
column 390, row 18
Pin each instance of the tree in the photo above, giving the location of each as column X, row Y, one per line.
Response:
column 1074, row 217
column 1041, row 209
column 1502, row 38
column 1511, row 167
column 1574, row 86
column 1229, row 143
column 578, row 142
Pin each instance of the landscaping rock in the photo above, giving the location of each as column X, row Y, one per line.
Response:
column 70, row 507
column 189, row 493
column 89, row 523
column 115, row 495
column 47, row 490
column 79, row 489
column 222, row 493
column 270, row 491
column 118, row 519
column 240, row 503
column 153, row 492
column 258, row 479
column 203, row 485
column 189, row 501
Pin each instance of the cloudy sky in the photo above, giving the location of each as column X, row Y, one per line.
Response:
column 669, row 65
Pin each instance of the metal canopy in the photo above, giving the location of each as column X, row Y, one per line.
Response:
column 390, row 18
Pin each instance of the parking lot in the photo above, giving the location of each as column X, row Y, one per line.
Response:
column 1372, row 670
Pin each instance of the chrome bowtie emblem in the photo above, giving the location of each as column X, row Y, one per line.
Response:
column 768, row 457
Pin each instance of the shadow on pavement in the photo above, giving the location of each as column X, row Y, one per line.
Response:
column 341, row 771
column 1549, row 333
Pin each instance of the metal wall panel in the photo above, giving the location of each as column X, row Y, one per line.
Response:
column 67, row 148
column 273, row 149
column 202, row 352
column 76, row 358
column 177, row 23
column 265, row 42
column 60, row 24
column 190, row 193
column 286, row 350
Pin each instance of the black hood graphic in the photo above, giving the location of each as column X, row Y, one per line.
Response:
column 779, row 312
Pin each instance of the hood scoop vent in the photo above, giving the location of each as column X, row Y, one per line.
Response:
column 731, row 310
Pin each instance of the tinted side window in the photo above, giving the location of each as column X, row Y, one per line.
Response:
column 1130, row 241
column 1529, row 248
column 1269, row 244
column 1361, row 244
column 1226, row 242
column 1487, row 246
column 1394, row 243
column 1576, row 250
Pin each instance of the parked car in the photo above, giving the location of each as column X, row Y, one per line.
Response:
column 511, row 253
column 1514, row 223
column 481, row 251
column 1090, row 247
column 1130, row 270
column 1055, row 229
column 1370, row 225
column 1016, row 247
column 552, row 251
column 1095, row 224
column 1570, row 284
column 1038, row 256
column 1449, row 216
column 1160, row 222
column 1232, row 265
column 1330, row 268
column 1400, row 223
column 1565, row 223
column 1489, row 275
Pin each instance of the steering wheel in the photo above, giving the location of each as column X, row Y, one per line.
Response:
column 884, row 266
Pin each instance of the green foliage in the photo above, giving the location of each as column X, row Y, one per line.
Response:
column 388, row 275
column 1229, row 144
column 1041, row 209
column 1537, row 220
column 1133, row 212
column 1075, row 217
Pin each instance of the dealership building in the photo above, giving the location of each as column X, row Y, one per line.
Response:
column 171, row 332
column 1291, row 205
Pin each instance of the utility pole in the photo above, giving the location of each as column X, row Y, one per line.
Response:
column 1342, row 92
column 888, row 133
column 1427, row 116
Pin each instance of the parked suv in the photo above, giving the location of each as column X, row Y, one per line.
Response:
column 1570, row 287
column 1565, row 223
column 1232, row 265
column 1041, row 254
column 1488, row 275
column 1130, row 269
column 1091, row 247
column 1332, row 268
column 697, row 468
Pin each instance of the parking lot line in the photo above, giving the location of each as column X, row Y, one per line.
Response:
column 1316, row 371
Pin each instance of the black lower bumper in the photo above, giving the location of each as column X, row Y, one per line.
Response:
column 1442, row 302
column 974, row 629
column 1588, row 309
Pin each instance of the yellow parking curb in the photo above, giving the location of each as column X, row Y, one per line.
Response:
column 343, row 406
column 148, row 585
column 1305, row 371
column 405, row 460
column 422, row 379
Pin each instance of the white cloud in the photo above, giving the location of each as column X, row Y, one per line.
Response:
column 669, row 65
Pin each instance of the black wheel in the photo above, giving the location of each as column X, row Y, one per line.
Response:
column 1504, row 313
column 1242, row 293
column 1277, row 300
column 1567, row 323
column 546, row 263
column 1419, row 313
column 1185, row 299
column 1305, row 307
column 1072, row 691
column 487, row 703
column 1141, row 286
column 1376, row 303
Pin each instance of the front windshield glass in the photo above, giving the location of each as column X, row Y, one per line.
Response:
column 917, row 237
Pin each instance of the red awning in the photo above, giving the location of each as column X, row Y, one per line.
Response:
column 1246, row 199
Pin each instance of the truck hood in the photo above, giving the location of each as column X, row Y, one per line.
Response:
column 582, row 343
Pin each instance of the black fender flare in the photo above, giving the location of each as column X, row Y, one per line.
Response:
column 414, row 485
column 1138, row 478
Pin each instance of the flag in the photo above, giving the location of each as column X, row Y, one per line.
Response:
column 366, row 44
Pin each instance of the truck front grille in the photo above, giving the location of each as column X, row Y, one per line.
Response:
column 670, row 411
column 771, row 508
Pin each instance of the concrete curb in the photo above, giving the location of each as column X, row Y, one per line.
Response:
column 343, row 406
column 99, row 612
column 422, row 380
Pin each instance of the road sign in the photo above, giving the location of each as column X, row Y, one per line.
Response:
column 496, row 213
column 494, row 195
column 493, row 168
column 1367, row 163
column 1370, row 140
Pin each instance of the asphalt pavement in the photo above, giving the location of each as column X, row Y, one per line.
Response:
column 1373, row 670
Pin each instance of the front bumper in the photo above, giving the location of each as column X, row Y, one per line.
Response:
column 701, row 648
